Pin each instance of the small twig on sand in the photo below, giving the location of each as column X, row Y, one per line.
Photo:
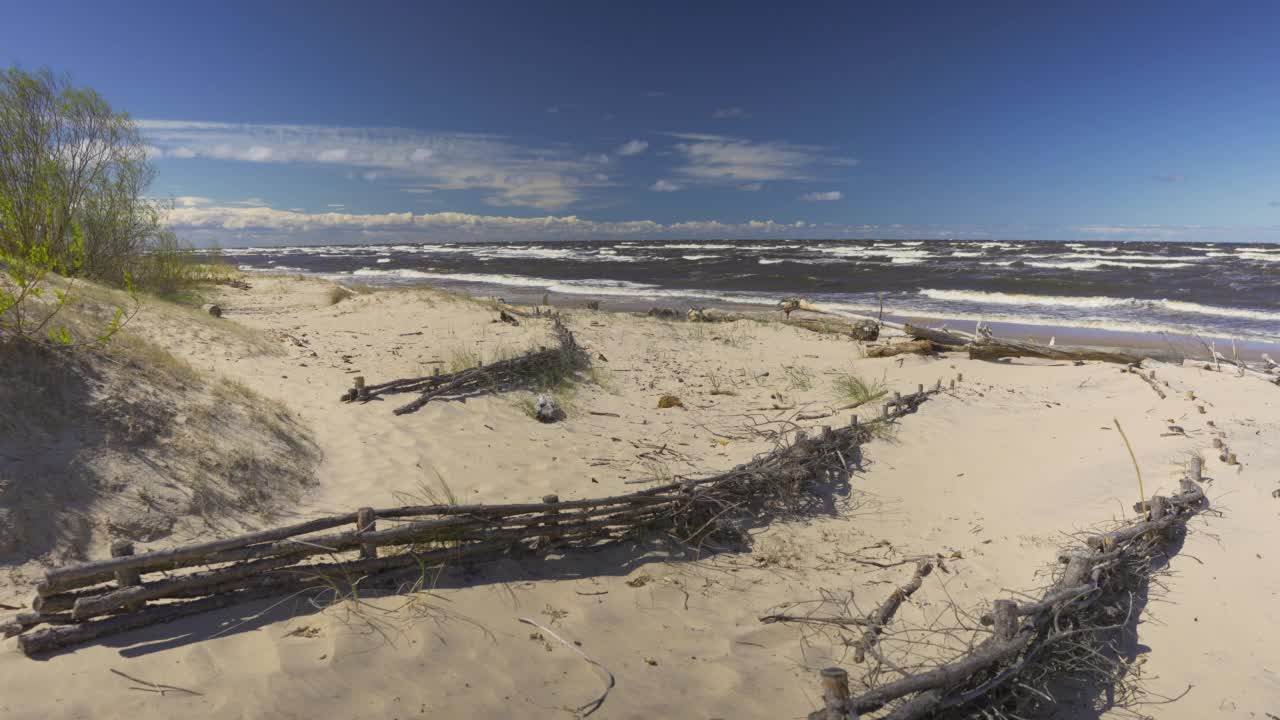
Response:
column 154, row 687
column 594, row 705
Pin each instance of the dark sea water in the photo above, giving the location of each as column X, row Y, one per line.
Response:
column 1221, row 290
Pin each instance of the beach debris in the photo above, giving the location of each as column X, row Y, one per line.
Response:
column 1149, row 379
column 792, row 304
column 546, row 410
column 593, row 304
column 508, row 318
column 87, row 601
column 664, row 313
column 864, row 329
column 938, row 336
column 669, row 401
column 1031, row 645
column 609, row 680
column 990, row 348
column 911, row 347
column 212, row 309
column 530, row 368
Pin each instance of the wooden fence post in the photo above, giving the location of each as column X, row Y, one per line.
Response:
column 553, row 532
column 360, row 391
column 835, row 695
column 366, row 521
column 126, row 577
column 1196, row 470
column 1005, row 613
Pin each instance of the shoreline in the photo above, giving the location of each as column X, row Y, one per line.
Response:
column 1187, row 344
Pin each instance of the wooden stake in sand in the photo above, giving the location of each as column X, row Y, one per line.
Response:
column 835, row 696
column 367, row 521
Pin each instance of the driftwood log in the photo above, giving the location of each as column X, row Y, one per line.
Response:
column 91, row 600
column 937, row 336
column 993, row 349
column 910, row 347
column 865, row 330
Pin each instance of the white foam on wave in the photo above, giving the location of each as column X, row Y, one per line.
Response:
column 875, row 252
column 770, row 261
column 272, row 269
column 1095, row 302
column 621, row 288
column 1259, row 257
column 686, row 246
column 699, row 257
column 1091, row 264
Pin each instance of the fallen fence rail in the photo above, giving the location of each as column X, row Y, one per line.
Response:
column 1006, row 674
column 541, row 363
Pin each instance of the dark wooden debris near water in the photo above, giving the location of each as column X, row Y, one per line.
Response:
column 392, row 546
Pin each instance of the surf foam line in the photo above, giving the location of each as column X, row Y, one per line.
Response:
column 1097, row 302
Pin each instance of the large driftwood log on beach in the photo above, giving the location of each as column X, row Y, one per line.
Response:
column 937, row 336
column 993, row 349
column 865, row 330
column 911, row 347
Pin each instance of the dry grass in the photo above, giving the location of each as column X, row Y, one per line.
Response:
column 854, row 389
column 337, row 294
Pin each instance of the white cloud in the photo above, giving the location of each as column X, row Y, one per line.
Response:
column 827, row 196
column 736, row 161
column 633, row 147
column 511, row 174
column 268, row 225
column 241, row 225
column 729, row 113
column 664, row 186
column 190, row 201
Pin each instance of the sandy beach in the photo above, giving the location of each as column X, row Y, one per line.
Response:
column 989, row 478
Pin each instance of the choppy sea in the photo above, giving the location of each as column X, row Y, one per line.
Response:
column 1221, row 290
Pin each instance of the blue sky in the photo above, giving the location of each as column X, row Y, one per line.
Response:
column 319, row 121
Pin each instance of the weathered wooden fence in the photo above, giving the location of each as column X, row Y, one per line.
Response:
column 83, row 602
column 1091, row 598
